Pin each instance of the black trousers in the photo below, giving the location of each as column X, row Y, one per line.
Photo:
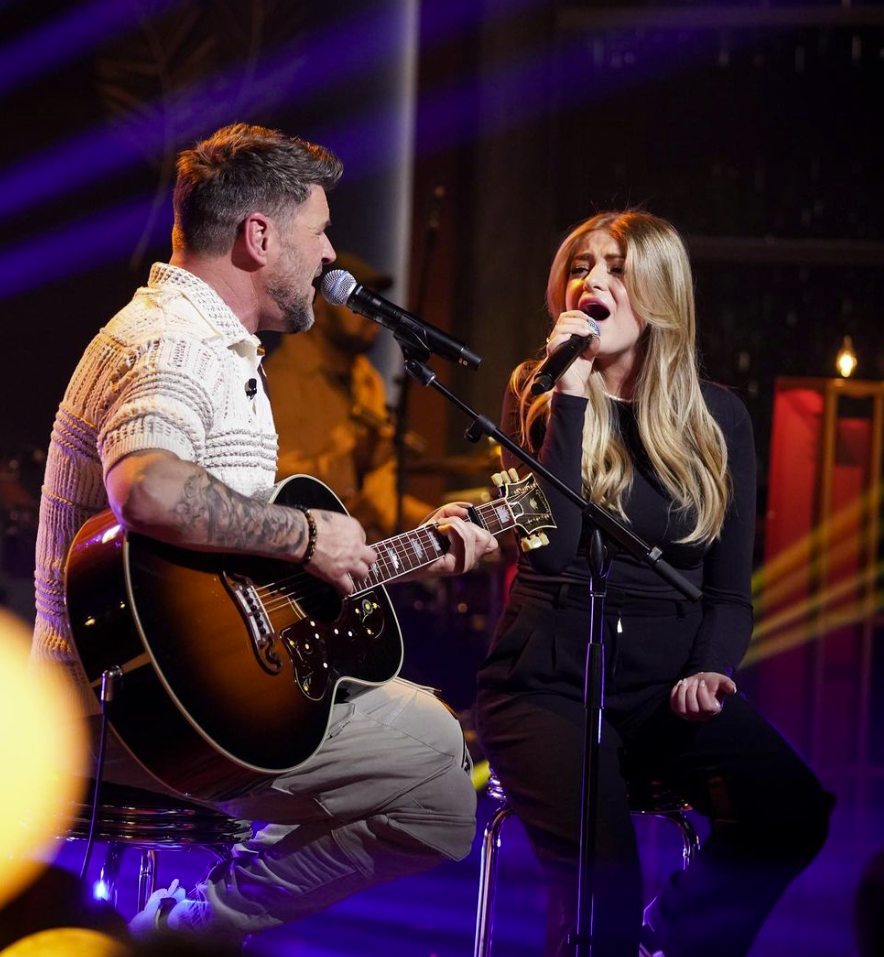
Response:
column 768, row 812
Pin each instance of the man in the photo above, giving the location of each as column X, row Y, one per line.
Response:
column 335, row 426
column 165, row 420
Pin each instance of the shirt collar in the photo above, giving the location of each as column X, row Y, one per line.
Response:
column 205, row 300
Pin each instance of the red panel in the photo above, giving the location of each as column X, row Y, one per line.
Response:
column 799, row 569
column 784, row 682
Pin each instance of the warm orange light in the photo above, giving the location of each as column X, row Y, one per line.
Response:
column 43, row 753
column 846, row 358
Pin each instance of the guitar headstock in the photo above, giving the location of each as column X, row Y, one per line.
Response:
column 528, row 507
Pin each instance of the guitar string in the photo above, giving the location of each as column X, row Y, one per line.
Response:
column 284, row 589
column 384, row 562
column 285, row 593
column 390, row 569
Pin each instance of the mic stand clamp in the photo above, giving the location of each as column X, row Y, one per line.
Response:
column 607, row 532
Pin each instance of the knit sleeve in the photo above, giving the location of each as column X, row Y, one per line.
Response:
column 162, row 399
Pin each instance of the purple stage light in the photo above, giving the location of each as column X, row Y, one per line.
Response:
column 336, row 55
column 91, row 242
column 67, row 39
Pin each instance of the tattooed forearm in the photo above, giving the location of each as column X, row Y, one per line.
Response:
column 208, row 513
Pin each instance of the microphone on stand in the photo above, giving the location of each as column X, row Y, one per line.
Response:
column 340, row 288
column 557, row 363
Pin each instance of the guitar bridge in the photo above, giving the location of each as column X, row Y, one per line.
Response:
column 245, row 597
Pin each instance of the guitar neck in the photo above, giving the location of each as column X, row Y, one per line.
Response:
column 409, row 551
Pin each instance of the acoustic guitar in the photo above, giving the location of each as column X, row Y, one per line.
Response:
column 231, row 664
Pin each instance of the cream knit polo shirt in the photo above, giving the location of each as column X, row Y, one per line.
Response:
column 170, row 371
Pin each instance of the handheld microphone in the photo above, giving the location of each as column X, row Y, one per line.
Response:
column 557, row 363
column 340, row 288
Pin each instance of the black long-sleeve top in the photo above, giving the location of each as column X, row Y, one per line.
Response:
column 722, row 570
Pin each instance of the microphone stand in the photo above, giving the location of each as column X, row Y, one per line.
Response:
column 607, row 530
column 431, row 234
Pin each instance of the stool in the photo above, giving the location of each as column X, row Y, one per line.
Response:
column 132, row 817
column 647, row 800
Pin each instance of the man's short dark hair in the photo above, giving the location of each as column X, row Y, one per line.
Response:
column 243, row 169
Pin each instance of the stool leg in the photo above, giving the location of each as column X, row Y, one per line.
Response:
column 488, row 882
column 689, row 838
column 147, row 875
column 110, row 871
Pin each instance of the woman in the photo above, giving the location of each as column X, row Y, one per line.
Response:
column 632, row 424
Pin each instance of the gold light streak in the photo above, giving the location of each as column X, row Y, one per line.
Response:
column 772, row 593
column 824, row 600
column 806, row 632
column 819, row 607
column 796, row 556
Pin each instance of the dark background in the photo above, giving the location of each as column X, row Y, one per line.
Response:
column 753, row 127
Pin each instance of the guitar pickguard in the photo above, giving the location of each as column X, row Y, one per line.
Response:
column 370, row 615
column 308, row 654
column 312, row 644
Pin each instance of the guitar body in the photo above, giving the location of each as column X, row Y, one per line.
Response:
column 231, row 664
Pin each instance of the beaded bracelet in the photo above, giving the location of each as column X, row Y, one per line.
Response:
column 311, row 537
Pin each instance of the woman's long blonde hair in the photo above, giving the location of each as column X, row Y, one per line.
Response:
column 683, row 442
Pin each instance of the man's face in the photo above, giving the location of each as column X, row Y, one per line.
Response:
column 304, row 248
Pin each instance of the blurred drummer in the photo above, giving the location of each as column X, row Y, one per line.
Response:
column 333, row 423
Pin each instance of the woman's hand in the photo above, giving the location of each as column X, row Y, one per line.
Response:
column 700, row 697
column 575, row 322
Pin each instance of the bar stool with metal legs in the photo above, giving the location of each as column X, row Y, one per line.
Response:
column 133, row 818
column 649, row 800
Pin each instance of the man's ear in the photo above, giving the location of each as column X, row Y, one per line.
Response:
column 255, row 238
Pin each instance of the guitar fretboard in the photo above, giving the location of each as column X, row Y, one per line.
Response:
column 412, row 550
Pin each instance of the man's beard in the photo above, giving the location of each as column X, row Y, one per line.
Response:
column 296, row 309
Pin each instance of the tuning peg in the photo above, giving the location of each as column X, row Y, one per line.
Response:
column 498, row 479
column 530, row 543
column 534, row 541
column 513, row 474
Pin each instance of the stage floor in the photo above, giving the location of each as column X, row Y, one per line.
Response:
column 433, row 914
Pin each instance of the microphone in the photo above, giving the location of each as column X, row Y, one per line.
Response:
column 339, row 288
column 557, row 363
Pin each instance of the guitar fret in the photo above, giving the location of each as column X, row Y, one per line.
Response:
column 419, row 547
column 496, row 516
column 411, row 550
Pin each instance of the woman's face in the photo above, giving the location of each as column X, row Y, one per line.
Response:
column 595, row 286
